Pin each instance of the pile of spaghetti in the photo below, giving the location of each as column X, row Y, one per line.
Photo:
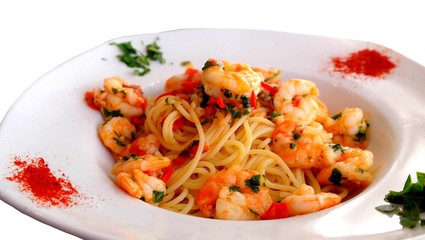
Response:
column 231, row 141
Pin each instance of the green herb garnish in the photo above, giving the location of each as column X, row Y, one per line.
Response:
column 158, row 196
column 112, row 113
column 275, row 74
column 408, row 203
column 254, row 183
column 234, row 188
column 336, row 177
column 135, row 59
column 211, row 63
column 336, row 116
column 274, row 115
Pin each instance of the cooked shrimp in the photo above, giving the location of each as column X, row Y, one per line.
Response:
column 141, row 185
column 296, row 101
column 306, row 201
column 148, row 144
column 228, row 80
column 233, row 205
column 120, row 99
column 348, row 128
column 300, row 146
column 242, row 205
column 177, row 82
column 140, row 176
column 116, row 133
column 352, row 167
column 144, row 163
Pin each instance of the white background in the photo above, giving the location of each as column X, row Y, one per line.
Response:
column 37, row 36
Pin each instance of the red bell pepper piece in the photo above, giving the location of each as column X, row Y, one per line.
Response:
column 89, row 98
column 253, row 100
column 272, row 90
column 166, row 175
column 276, row 211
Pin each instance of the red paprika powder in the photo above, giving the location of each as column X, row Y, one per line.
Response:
column 34, row 176
column 364, row 62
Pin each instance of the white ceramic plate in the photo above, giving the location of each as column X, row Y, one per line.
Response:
column 51, row 120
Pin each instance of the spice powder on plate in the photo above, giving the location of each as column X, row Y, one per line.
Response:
column 366, row 62
column 34, row 176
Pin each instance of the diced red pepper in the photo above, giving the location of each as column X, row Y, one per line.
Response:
column 190, row 72
column 276, row 211
column 166, row 175
column 253, row 100
column 189, row 87
column 210, row 110
column 296, row 102
column 138, row 120
column 218, row 101
column 179, row 123
column 89, row 98
column 272, row 90
column 180, row 160
column 134, row 149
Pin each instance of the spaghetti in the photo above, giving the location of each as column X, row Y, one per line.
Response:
column 232, row 142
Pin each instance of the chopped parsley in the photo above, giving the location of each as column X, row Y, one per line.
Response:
column 118, row 142
column 234, row 188
column 336, row 116
column 275, row 75
column 336, row 177
column 136, row 59
column 274, row 115
column 211, row 63
column 227, row 93
column 296, row 135
column 245, row 101
column 254, row 183
column 337, row 147
column 158, row 196
column 112, row 113
column 360, row 135
column 409, row 203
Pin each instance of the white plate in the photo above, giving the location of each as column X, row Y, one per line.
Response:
column 51, row 120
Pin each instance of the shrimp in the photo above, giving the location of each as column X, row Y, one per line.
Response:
column 228, row 80
column 120, row 99
column 141, row 185
column 233, row 193
column 148, row 144
column 141, row 177
column 352, row 167
column 296, row 100
column 242, row 205
column 301, row 146
column 116, row 133
column 191, row 77
column 306, row 201
column 143, row 163
column 348, row 128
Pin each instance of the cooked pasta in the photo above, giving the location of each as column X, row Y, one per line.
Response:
column 232, row 142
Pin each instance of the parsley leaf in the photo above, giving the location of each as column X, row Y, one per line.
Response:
column 254, row 183
column 158, row 196
column 135, row 59
column 408, row 203
column 336, row 177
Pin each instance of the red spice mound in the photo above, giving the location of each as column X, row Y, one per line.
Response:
column 34, row 176
column 365, row 62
